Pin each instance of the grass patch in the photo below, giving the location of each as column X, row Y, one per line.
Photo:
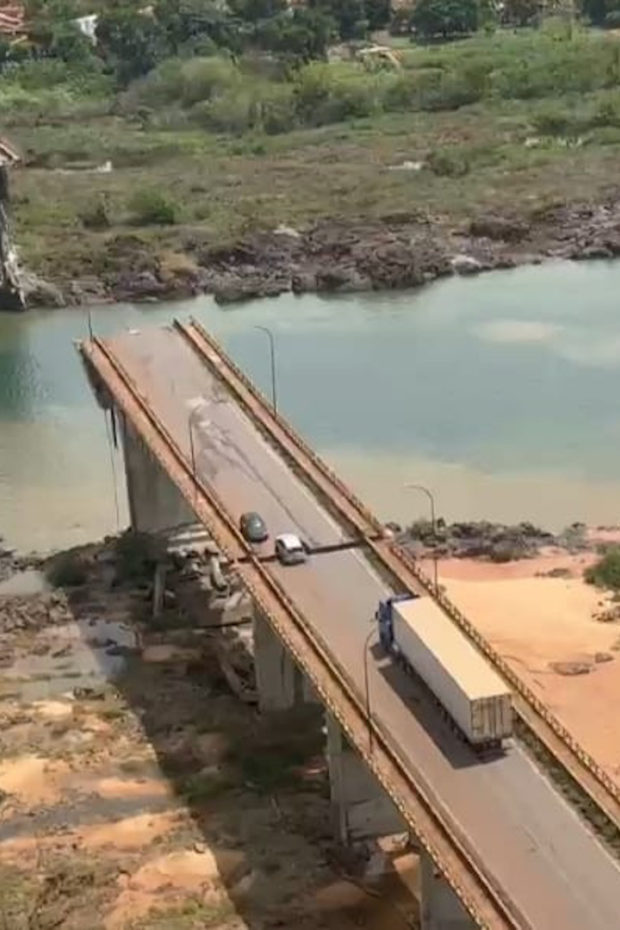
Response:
column 17, row 894
column 188, row 915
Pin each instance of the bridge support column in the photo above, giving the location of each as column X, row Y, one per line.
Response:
column 155, row 504
column 281, row 683
column 439, row 906
column 361, row 808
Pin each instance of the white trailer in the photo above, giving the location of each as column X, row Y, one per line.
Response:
column 463, row 681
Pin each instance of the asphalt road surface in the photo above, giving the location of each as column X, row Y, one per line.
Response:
column 532, row 843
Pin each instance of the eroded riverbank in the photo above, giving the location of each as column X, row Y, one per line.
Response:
column 404, row 249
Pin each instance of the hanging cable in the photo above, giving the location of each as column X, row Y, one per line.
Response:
column 114, row 483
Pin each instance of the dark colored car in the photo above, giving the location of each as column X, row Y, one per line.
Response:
column 253, row 527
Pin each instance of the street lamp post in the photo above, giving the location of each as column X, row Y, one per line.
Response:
column 272, row 354
column 367, row 687
column 431, row 499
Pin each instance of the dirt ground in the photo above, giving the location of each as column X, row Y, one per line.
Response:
column 556, row 632
column 137, row 791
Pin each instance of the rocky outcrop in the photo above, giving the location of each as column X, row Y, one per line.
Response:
column 404, row 249
column 329, row 257
column 495, row 542
column 39, row 293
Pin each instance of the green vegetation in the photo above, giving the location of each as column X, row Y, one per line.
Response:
column 218, row 121
column 152, row 208
column 269, row 761
column 68, row 570
column 137, row 555
column 606, row 572
column 201, row 788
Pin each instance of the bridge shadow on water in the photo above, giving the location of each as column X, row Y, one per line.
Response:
column 419, row 701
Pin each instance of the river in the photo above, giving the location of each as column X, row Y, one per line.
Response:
column 500, row 393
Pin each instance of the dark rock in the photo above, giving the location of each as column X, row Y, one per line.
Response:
column 499, row 228
column 231, row 288
column 602, row 657
column 591, row 252
column 341, row 278
column 303, row 282
column 140, row 285
column 571, row 668
column 89, row 694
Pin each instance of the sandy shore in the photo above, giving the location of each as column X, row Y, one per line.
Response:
column 546, row 629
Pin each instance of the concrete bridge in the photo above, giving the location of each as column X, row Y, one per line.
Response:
column 500, row 848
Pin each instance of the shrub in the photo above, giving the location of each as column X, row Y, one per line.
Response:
column 606, row 572
column 331, row 93
column 95, row 216
column 276, row 108
column 607, row 113
column 137, row 555
column 185, row 81
column 435, row 89
column 232, row 111
column 152, row 208
column 445, row 17
column 448, row 163
column 67, row 571
column 552, row 122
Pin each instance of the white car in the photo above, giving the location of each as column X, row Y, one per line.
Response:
column 289, row 549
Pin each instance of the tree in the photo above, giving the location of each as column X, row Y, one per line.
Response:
column 304, row 35
column 520, row 12
column 349, row 15
column 253, row 11
column 69, row 43
column 378, row 13
column 131, row 42
column 598, row 11
column 445, row 17
column 191, row 24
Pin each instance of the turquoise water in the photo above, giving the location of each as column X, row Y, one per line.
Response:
column 500, row 393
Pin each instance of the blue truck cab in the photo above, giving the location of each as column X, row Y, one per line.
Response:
column 385, row 621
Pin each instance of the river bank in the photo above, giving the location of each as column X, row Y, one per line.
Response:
column 401, row 250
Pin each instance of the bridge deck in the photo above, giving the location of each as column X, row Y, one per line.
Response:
column 533, row 845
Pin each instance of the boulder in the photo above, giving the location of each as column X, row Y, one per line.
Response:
column 466, row 264
column 40, row 293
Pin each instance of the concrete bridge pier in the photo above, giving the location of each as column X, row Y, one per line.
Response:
column 155, row 503
column 361, row 809
column 440, row 909
column 280, row 682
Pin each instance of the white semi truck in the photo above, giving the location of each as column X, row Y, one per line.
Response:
column 417, row 632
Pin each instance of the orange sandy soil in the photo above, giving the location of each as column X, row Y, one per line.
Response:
column 164, row 803
column 546, row 629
